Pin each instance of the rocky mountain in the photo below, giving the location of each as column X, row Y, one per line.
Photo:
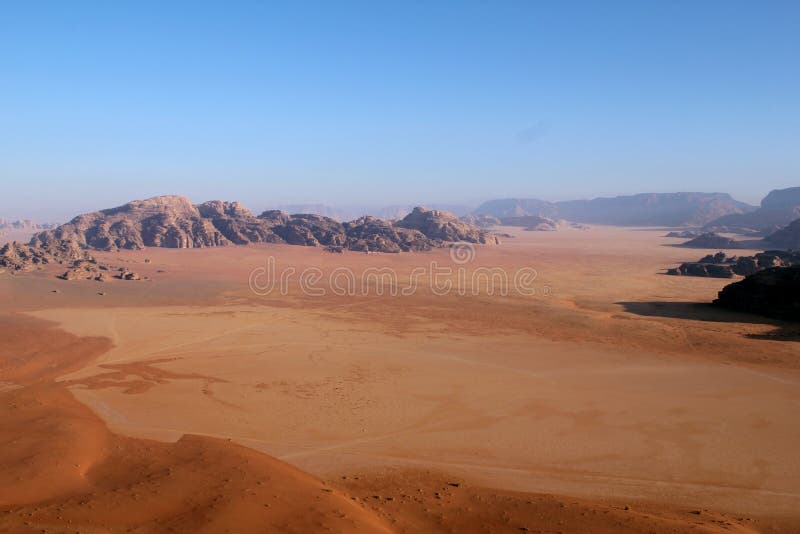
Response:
column 711, row 240
column 778, row 208
column 174, row 222
column 773, row 292
column 787, row 237
column 647, row 209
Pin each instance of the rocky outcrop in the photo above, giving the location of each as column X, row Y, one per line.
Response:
column 647, row 209
column 774, row 292
column 370, row 234
column 442, row 226
column 18, row 257
column 711, row 240
column 787, row 237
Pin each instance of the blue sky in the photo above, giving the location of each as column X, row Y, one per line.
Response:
column 385, row 103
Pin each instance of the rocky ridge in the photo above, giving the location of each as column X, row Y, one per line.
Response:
column 174, row 222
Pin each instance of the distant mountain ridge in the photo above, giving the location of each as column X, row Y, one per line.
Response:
column 645, row 209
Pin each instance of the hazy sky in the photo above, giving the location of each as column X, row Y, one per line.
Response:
column 376, row 102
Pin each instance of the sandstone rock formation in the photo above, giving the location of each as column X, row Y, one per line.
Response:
column 711, row 240
column 174, row 222
column 774, row 292
column 370, row 234
column 444, row 227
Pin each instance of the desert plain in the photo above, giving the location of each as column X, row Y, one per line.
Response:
column 609, row 398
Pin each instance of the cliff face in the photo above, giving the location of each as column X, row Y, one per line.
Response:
column 174, row 222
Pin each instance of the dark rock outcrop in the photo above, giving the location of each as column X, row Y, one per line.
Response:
column 711, row 240
column 774, row 292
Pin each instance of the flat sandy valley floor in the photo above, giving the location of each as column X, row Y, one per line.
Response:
column 608, row 400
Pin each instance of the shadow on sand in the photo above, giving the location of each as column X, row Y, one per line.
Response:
column 700, row 311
